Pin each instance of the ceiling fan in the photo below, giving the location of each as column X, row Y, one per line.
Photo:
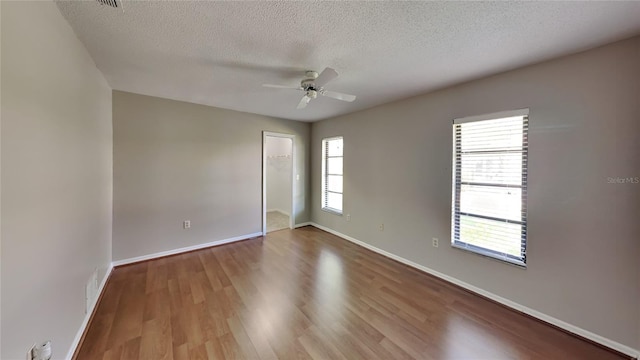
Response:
column 313, row 85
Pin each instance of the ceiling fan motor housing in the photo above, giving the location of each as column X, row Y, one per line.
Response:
column 308, row 84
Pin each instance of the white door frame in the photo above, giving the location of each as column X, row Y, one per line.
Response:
column 264, row 177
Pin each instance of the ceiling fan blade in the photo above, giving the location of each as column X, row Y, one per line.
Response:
column 337, row 95
column 303, row 102
column 325, row 76
column 282, row 86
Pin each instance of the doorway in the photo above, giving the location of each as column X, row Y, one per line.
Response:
column 277, row 182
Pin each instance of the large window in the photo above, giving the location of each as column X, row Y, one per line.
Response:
column 489, row 214
column 332, row 155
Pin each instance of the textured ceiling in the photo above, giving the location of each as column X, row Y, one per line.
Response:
column 219, row 53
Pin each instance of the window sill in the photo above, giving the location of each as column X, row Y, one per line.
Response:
column 332, row 211
column 491, row 256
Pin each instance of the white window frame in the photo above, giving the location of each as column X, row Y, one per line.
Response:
column 325, row 175
column 457, row 183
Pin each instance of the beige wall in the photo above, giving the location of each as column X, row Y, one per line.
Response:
column 0, row 185
column 176, row 161
column 584, row 233
column 56, row 178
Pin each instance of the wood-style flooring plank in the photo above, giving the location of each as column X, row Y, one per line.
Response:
column 307, row 294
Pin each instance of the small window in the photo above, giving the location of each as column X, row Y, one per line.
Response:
column 489, row 210
column 332, row 155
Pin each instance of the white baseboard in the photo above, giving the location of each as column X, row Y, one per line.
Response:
column 302, row 225
column 184, row 249
column 635, row 353
column 87, row 317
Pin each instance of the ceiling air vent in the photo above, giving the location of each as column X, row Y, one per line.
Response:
column 112, row 3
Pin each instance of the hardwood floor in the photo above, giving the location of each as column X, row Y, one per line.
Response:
column 307, row 294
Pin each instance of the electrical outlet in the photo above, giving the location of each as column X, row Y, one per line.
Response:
column 186, row 224
column 381, row 227
column 348, row 217
column 435, row 242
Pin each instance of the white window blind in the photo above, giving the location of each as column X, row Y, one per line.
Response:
column 489, row 214
column 332, row 156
